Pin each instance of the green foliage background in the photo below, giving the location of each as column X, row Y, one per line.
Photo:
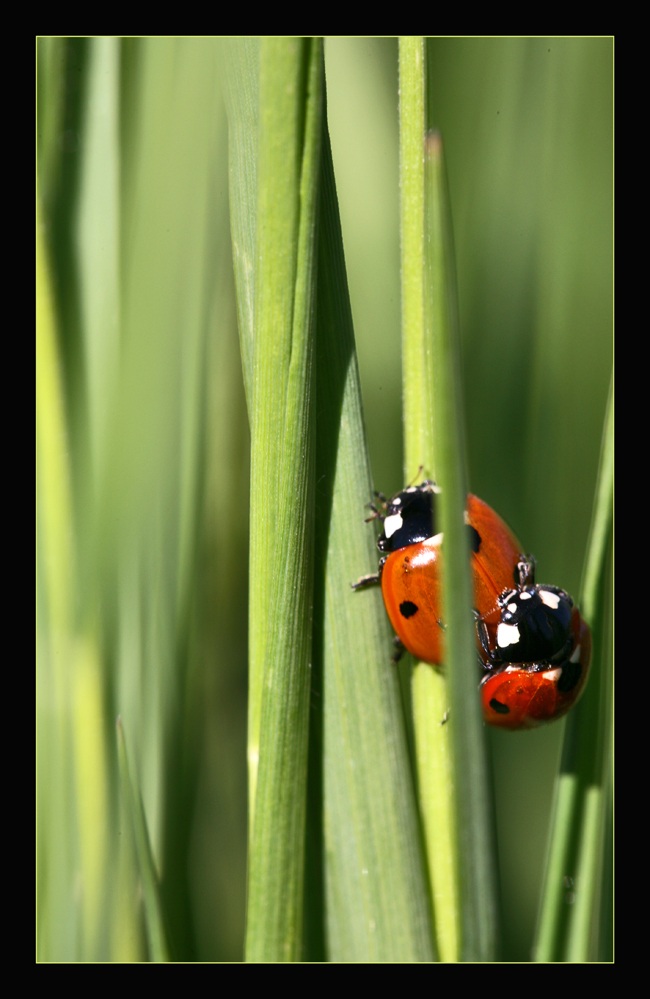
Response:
column 143, row 433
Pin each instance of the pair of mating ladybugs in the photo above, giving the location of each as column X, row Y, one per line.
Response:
column 534, row 648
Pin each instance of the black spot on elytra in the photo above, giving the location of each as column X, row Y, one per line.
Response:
column 571, row 673
column 407, row 608
column 499, row 708
column 475, row 539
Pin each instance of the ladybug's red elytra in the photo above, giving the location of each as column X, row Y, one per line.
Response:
column 533, row 647
column 410, row 571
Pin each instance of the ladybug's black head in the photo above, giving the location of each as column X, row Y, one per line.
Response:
column 409, row 517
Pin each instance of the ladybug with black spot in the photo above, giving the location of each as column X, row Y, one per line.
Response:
column 528, row 695
column 531, row 640
column 410, row 569
column 539, row 658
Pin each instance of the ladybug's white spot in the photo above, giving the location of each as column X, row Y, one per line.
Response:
column 392, row 524
column 549, row 598
column 507, row 634
column 575, row 655
column 553, row 674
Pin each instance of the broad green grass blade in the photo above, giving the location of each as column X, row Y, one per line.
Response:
column 377, row 906
column 282, row 424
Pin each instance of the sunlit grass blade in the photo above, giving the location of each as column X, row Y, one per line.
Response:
column 435, row 780
column 456, row 811
column 479, row 923
column 56, row 563
column 282, row 427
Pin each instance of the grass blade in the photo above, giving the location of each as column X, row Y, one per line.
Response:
column 132, row 803
column 575, row 892
column 377, row 903
column 456, row 811
column 291, row 94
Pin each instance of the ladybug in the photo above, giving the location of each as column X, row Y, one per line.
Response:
column 539, row 653
column 526, row 695
column 530, row 637
column 410, row 570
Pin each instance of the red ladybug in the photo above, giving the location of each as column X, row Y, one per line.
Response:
column 539, row 655
column 530, row 637
column 525, row 695
column 410, row 573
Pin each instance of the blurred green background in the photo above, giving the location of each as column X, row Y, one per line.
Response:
column 143, row 437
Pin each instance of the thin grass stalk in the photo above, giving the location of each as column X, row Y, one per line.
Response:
column 132, row 804
column 570, row 917
column 474, row 818
column 459, row 805
column 429, row 689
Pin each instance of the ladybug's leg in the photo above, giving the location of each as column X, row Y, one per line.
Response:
column 371, row 580
column 377, row 511
column 490, row 659
column 398, row 650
